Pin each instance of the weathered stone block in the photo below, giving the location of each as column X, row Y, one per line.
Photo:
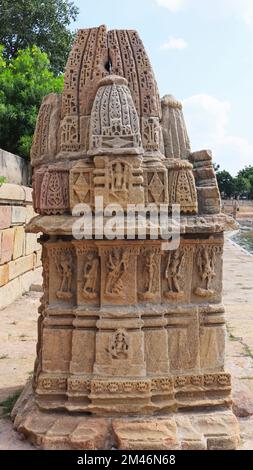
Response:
column 4, row 274
column 19, row 237
column 5, row 217
column 150, row 435
column 11, row 192
column 18, row 215
column 7, row 242
column 20, row 266
column 29, row 278
column 31, row 244
column 10, row 292
column 30, row 213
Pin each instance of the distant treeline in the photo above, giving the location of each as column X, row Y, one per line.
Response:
column 240, row 186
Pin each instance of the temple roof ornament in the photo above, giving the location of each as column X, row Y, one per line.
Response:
column 114, row 125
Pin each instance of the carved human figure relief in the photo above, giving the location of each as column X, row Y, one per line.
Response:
column 117, row 262
column 151, row 282
column 119, row 344
column 64, row 266
column 119, row 177
column 206, row 259
column 173, row 274
column 119, row 180
column 90, row 275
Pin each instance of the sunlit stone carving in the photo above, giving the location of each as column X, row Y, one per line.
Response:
column 131, row 336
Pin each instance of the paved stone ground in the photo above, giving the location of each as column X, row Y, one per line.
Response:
column 18, row 342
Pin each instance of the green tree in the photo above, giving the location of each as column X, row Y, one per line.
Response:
column 225, row 183
column 247, row 173
column 24, row 81
column 242, row 186
column 24, row 23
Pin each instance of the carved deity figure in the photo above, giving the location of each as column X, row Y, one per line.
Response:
column 206, row 269
column 173, row 273
column 90, row 274
column 64, row 267
column 150, row 277
column 119, row 177
column 117, row 265
column 150, row 267
column 119, row 344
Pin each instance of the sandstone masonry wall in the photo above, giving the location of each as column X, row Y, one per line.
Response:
column 20, row 252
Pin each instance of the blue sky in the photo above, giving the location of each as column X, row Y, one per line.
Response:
column 202, row 53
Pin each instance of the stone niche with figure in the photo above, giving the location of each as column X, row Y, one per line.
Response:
column 131, row 331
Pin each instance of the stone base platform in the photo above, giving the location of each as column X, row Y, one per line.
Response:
column 212, row 430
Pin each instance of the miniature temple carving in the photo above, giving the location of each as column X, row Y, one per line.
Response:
column 131, row 333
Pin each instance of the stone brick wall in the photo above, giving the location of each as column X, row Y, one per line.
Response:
column 20, row 253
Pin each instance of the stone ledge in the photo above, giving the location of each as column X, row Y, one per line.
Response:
column 15, row 192
column 213, row 430
column 62, row 224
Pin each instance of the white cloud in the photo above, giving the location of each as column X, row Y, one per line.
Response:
column 240, row 9
column 174, row 43
column 208, row 120
column 172, row 5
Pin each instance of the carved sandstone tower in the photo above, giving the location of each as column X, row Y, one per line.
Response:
column 131, row 337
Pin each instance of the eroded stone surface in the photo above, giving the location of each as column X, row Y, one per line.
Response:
column 185, row 431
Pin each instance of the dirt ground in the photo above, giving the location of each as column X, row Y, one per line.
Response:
column 18, row 343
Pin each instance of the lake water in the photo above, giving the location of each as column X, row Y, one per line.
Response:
column 244, row 239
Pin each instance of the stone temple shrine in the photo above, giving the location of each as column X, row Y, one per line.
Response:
column 131, row 336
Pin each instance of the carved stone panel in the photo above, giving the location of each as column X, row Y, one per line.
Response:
column 62, row 274
column 120, row 353
column 156, row 185
column 149, row 261
column 88, row 274
column 118, row 274
column 207, row 273
column 212, row 347
column 51, row 190
column 176, row 274
column 183, row 340
column 81, row 184
column 156, row 351
column 56, row 352
column 83, row 351
column 114, row 125
column 70, row 137
column 182, row 188
column 119, row 180
column 151, row 134
column 46, row 141
column 130, row 60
